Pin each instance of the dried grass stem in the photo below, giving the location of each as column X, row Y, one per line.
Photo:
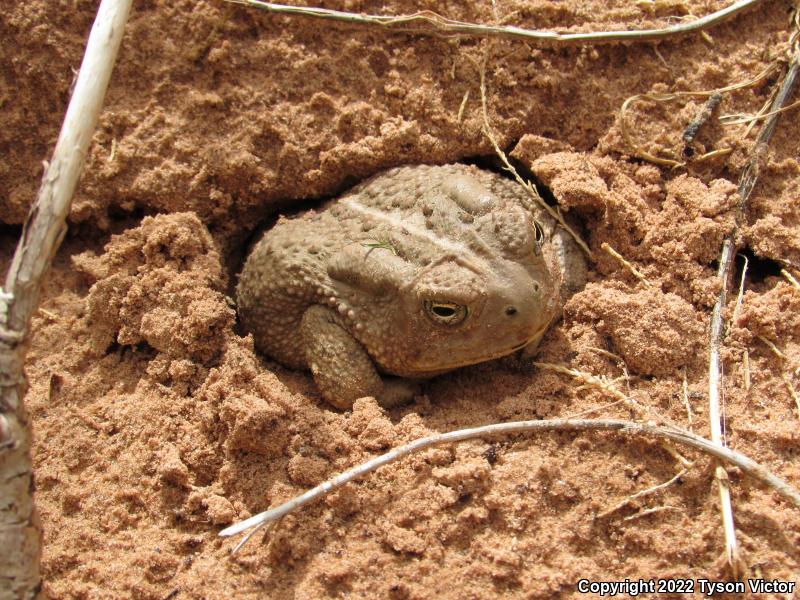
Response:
column 430, row 23
column 680, row 436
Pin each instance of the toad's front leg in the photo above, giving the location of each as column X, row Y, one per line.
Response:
column 342, row 369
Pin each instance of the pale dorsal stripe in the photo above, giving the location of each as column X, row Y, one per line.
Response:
column 447, row 246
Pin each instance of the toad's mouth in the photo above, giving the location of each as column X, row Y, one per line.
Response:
column 441, row 368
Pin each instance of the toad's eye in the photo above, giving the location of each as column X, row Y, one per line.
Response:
column 538, row 236
column 445, row 313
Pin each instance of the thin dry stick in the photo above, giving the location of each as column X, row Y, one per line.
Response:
column 625, row 263
column 602, row 384
column 735, row 317
column 740, row 297
column 593, row 409
column 527, row 185
column 792, row 392
column 686, row 402
column 738, row 119
column 790, row 278
column 431, row 23
column 713, row 154
column 746, row 184
column 746, row 369
column 786, row 379
column 41, row 235
column 680, row 436
column 615, row 357
column 462, row 107
column 763, row 110
column 773, row 347
column 638, row 151
column 690, row 132
column 651, row 511
column 643, row 493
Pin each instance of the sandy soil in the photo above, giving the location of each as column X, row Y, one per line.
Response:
column 157, row 424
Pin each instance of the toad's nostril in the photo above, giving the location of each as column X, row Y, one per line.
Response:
column 511, row 311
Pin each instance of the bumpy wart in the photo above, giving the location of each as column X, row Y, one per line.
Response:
column 415, row 272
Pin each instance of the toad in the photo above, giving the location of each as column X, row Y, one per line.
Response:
column 414, row 272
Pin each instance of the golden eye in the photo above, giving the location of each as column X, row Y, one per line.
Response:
column 538, row 236
column 445, row 313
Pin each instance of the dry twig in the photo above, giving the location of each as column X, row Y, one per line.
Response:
column 790, row 278
column 674, row 163
column 690, row 132
column 603, row 384
column 738, row 119
column 740, row 296
column 746, row 370
column 527, row 185
column 430, row 23
column 650, row 511
column 686, row 402
column 643, row 493
column 787, row 380
column 773, row 347
column 41, row 236
column 615, row 357
column 626, row 263
column 680, row 436
column 792, row 392
column 746, row 183
column 463, row 105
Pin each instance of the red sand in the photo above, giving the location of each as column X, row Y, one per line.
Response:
column 157, row 424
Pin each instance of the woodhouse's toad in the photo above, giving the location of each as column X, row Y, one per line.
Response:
column 412, row 273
